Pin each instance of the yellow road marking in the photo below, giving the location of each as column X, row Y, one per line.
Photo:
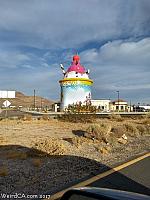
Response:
column 99, row 176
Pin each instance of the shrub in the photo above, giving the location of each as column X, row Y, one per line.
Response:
column 45, row 117
column 98, row 131
column 27, row 117
column 78, row 118
column 146, row 121
column 148, row 114
column 118, row 130
column 143, row 129
column 116, row 117
column 77, row 140
column 131, row 129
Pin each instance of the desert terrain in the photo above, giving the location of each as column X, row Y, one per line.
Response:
column 39, row 156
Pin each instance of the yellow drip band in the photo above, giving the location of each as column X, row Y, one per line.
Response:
column 76, row 81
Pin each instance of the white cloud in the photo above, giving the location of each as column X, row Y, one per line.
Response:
column 68, row 23
column 120, row 52
column 12, row 59
column 35, row 36
column 120, row 65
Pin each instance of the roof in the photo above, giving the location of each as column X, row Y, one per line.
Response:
column 119, row 100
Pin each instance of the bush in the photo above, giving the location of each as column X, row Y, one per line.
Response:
column 27, row 117
column 131, row 129
column 116, row 117
column 146, row 121
column 98, row 131
column 118, row 130
column 45, row 117
column 78, row 118
column 143, row 129
column 77, row 140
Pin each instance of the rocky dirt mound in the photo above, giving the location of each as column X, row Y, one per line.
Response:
column 50, row 146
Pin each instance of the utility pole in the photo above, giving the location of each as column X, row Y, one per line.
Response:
column 130, row 105
column 41, row 103
column 118, row 100
column 34, row 99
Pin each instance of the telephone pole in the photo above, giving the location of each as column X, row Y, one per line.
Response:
column 118, row 100
column 34, row 99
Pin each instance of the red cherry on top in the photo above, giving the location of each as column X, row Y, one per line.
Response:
column 76, row 58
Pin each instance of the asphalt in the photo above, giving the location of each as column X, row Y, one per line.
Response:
column 131, row 176
column 11, row 113
column 134, row 178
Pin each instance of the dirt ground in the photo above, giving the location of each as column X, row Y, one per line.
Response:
column 44, row 156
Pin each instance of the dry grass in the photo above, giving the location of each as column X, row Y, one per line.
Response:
column 3, row 171
column 2, row 140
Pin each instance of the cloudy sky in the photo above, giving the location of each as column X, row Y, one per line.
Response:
column 112, row 38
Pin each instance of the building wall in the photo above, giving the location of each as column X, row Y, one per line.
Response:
column 123, row 106
column 102, row 104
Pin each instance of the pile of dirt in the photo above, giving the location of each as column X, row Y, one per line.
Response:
column 51, row 146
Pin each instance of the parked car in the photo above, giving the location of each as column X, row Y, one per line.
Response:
column 138, row 109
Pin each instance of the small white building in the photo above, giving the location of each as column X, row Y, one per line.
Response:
column 119, row 105
column 101, row 104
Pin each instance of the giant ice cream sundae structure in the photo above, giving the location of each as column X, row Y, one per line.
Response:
column 76, row 84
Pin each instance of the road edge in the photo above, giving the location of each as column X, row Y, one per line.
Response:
column 99, row 176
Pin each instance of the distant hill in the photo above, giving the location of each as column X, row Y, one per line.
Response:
column 28, row 101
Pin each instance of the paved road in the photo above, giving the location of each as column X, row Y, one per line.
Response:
column 134, row 178
column 11, row 113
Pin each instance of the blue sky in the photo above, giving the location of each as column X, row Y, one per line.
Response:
column 112, row 38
